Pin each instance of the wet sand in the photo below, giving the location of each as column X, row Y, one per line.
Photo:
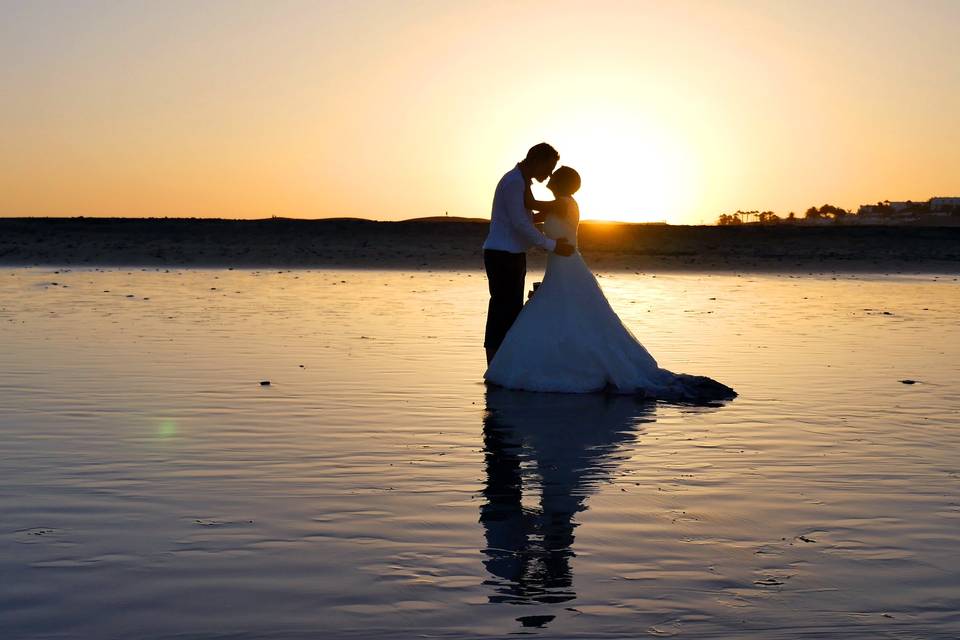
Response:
column 456, row 244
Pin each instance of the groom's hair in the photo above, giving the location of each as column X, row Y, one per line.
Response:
column 542, row 152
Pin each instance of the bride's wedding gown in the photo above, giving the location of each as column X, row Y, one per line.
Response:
column 569, row 339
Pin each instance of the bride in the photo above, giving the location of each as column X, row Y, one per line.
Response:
column 569, row 339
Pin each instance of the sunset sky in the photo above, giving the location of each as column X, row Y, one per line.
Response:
column 675, row 111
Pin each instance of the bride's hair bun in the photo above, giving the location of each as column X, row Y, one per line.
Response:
column 566, row 180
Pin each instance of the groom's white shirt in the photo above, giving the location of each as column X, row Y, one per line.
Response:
column 511, row 223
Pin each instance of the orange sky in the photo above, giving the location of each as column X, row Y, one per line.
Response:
column 671, row 111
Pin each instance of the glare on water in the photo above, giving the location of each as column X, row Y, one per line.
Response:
column 154, row 488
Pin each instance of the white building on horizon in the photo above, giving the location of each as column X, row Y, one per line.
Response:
column 908, row 209
column 944, row 206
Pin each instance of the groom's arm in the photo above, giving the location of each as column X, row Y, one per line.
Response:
column 521, row 221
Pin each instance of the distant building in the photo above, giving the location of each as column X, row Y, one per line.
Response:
column 901, row 206
column 893, row 212
column 887, row 211
column 944, row 206
column 867, row 214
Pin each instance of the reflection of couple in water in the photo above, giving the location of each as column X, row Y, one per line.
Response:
column 562, row 446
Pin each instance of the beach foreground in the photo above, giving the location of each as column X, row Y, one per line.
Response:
column 456, row 244
column 156, row 488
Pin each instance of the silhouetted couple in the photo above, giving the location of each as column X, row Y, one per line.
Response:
column 567, row 338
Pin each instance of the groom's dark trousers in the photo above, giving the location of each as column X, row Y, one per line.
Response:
column 506, row 273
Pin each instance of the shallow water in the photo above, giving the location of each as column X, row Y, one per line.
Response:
column 153, row 488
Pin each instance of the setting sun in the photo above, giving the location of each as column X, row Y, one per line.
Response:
column 633, row 168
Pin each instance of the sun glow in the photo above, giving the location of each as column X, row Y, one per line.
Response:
column 671, row 111
column 633, row 170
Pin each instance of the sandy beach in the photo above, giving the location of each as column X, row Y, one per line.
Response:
column 456, row 244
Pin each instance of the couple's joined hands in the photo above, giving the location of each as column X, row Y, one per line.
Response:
column 563, row 248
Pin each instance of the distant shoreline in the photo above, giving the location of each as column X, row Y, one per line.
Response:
column 448, row 243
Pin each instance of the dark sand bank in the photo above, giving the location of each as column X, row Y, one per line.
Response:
column 455, row 244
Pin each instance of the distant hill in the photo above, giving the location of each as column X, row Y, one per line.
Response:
column 447, row 242
column 446, row 219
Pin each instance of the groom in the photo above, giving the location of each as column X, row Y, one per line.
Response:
column 512, row 232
